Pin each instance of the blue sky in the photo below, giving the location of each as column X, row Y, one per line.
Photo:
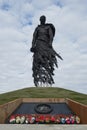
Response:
column 18, row 20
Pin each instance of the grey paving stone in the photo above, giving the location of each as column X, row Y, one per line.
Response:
column 42, row 127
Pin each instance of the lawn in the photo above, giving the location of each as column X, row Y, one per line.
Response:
column 43, row 92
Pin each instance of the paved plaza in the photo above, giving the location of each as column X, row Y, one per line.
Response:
column 42, row 127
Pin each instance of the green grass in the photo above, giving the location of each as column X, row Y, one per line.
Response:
column 48, row 92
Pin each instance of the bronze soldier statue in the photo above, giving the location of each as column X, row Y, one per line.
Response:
column 44, row 57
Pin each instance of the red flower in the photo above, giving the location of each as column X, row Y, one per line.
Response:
column 52, row 119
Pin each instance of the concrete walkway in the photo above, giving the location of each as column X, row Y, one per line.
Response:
column 43, row 127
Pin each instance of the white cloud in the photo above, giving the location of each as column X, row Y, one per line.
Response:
column 18, row 20
column 41, row 5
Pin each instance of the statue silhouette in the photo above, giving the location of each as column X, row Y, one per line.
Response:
column 44, row 57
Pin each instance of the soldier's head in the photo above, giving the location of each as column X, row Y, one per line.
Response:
column 42, row 19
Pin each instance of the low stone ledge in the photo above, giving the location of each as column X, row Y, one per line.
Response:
column 79, row 108
column 42, row 100
column 8, row 108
